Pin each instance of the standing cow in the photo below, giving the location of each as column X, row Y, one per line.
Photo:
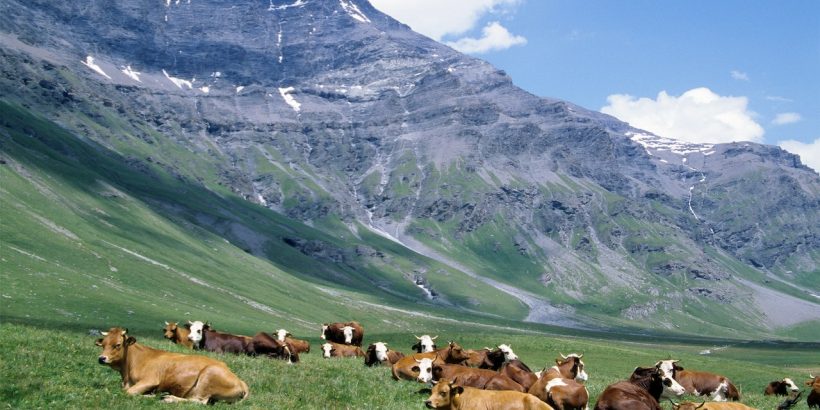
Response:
column 814, row 397
column 349, row 333
column 185, row 377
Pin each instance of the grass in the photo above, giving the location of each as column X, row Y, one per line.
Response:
column 53, row 367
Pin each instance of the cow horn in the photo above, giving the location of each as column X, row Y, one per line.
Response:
column 104, row 333
column 673, row 403
column 434, row 338
column 580, row 356
column 166, row 323
column 701, row 405
column 417, row 337
column 562, row 355
column 810, row 376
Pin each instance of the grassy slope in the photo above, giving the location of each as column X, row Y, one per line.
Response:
column 49, row 367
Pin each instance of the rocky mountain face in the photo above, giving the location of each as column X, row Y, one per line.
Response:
column 338, row 116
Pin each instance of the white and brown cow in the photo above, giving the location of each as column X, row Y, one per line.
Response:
column 349, row 333
column 296, row 345
column 781, row 388
column 720, row 388
column 330, row 349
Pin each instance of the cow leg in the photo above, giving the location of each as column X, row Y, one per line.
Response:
column 174, row 399
column 144, row 386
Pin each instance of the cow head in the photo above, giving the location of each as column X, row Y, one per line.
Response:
column 348, row 332
column 170, row 330
column 814, row 382
column 443, row 394
column 574, row 366
column 508, row 352
column 324, row 331
column 327, row 350
column 197, row 328
column 115, row 343
column 425, row 369
column 790, row 385
column 456, row 353
column 425, row 344
column 381, row 351
column 281, row 334
column 666, row 370
column 686, row 405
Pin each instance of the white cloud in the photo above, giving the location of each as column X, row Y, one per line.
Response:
column 739, row 75
column 439, row 18
column 698, row 115
column 777, row 98
column 786, row 118
column 809, row 153
column 494, row 37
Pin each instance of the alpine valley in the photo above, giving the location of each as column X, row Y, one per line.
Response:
column 318, row 160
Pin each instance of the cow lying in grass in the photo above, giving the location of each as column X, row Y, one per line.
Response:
column 447, row 395
column 145, row 370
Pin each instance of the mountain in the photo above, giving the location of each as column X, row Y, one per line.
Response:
column 409, row 172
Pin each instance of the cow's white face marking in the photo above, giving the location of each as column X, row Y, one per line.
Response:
column 196, row 331
column 326, row 348
column 581, row 375
column 426, row 343
column 554, row 383
column 508, row 352
column 381, row 351
column 348, row 332
column 280, row 334
column 425, row 370
column 324, row 329
column 790, row 384
column 667, row 368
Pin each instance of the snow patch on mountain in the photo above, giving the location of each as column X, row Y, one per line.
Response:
column 353, row 10
column 285, row 93
column 89, row 62
column 654, row 142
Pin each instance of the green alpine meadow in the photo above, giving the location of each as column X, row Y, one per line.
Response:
column 291, row 164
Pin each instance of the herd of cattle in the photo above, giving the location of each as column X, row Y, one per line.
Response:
column 462, row 378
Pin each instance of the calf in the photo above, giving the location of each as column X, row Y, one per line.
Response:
column 204, row 338
column 178, row 335
column 331, row 349
column 814, row 397
column 349, row 333
column 781, row 387
column 378, row 353
column 688, row 405
column 448, row 395
column 425, row 344
column 406, row 368
column 641, row 392
column 265, row 344
column 185, row 377
column 700, row 383
column 560, row 392
column 467, row 376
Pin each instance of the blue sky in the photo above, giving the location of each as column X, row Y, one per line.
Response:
column 703, row 71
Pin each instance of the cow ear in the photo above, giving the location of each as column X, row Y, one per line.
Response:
column 130, row 340
column 188, row 325
column 99, row 343
column 678, row 367
column 458, row 389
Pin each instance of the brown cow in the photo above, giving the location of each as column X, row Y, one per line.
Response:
column 349, row 333
column 296, row 345
column 688, row 405
column 560, row 392
column 204, row 338
column 571, row 367
column 781, row 387
column 185, row 377
column 485, row 379
column 814, row 397
column 378, row 353
column 448, row 395
column 331, row 349
column 520, row 372
column 404, row 368
column 478, row 358
column 267, row 345
column 178, row 335
column 700, row 383
column 641, row 392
